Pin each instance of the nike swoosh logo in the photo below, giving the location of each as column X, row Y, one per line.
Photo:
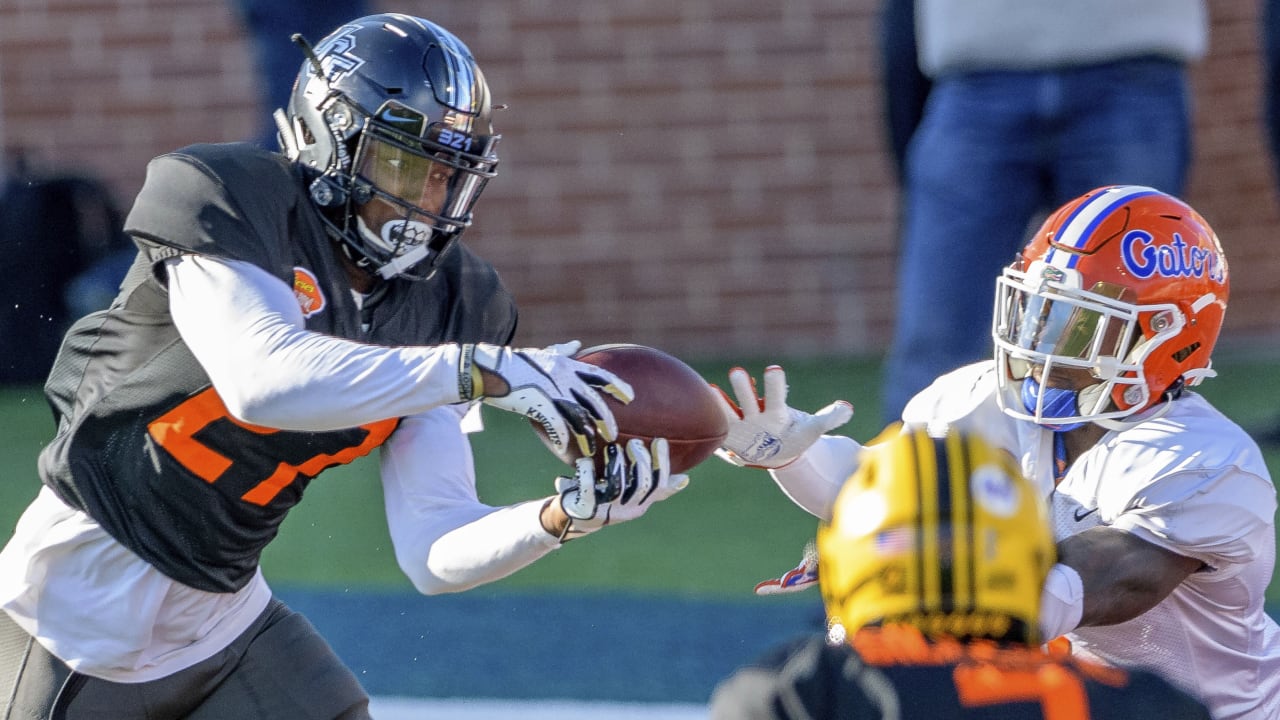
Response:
column 1082, row 515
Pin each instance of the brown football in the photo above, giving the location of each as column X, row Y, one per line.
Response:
column 671, row 400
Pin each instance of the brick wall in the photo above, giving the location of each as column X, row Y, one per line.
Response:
column 708, row 177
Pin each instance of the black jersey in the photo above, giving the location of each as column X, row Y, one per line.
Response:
column 895, row 673
column 144, row 444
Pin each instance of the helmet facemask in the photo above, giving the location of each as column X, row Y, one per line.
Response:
column 411, row 195
column 1043, row 319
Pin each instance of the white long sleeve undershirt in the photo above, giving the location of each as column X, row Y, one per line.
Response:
column 445, row 539
column 245, row 328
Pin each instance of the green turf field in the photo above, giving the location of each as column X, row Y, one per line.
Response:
column 728, row 530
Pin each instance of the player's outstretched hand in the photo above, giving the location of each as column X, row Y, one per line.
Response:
column 563, row 395
column 634, row 478
column 766, row 432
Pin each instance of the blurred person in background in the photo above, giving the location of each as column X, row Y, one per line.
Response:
column 931, row 569
column 1163, row 508
column 1268, row 434
column 65, row 231
column 287, row 313
column 1270, row 34
column 1032, row 103
column 904, row 88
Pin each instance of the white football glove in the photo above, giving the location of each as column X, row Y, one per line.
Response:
column 766, row 433
column 634, row 479
column 549, row 387
column 802, row 577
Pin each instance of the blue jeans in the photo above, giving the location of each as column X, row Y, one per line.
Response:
column 1271, row 78
column 905, row 87
column 995, row 151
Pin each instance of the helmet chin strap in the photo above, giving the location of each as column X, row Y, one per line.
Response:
column 1125, row 423
column 403, row 263
column 1165, row 405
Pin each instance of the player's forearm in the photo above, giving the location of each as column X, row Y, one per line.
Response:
column 314, row 382
column 445, row 539
column 1123, row 576
column 245, row 329
column 488, row 545
column 814, row 479
column 1112, row 596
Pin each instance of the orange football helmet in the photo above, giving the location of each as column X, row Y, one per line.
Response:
column 1125, row 281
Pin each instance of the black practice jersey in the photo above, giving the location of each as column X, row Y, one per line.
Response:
column 144, row 444
column 895, row 673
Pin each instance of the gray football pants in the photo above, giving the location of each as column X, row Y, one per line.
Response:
column 278, row 669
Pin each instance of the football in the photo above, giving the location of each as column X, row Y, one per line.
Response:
column 671, row 400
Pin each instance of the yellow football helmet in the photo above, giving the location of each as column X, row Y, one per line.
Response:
column 940, row 533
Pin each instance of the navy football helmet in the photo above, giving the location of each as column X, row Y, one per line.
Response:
column 390, row 116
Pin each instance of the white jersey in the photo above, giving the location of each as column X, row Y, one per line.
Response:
column 1189, row 480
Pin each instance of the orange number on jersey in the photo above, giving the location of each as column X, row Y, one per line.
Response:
column 175, row 432
column 1060, row 692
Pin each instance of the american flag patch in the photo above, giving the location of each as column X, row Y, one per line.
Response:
column 895, row 541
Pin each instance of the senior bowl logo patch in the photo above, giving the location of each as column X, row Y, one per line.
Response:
column 307, row 290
